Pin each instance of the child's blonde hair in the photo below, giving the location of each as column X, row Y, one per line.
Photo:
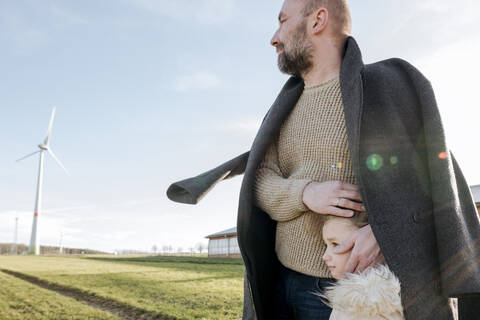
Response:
column 359, row 219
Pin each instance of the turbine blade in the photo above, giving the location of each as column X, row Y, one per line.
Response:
column 28, row 155
column 58, row 161
column 49, row 130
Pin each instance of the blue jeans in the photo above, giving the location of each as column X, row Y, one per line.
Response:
column 296, row 296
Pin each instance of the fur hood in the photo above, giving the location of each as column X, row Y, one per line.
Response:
column 371, row 295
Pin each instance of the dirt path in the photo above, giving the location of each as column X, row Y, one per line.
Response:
column 119, row 309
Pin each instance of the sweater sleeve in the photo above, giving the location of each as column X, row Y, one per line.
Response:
column 280, row 197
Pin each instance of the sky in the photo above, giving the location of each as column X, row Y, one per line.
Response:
column 149, row 92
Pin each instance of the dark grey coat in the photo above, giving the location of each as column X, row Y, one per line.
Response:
column 419, row 204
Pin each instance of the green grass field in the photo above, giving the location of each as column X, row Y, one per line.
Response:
column 170, row 287
column 21, row 300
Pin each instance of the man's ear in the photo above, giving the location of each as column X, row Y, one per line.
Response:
column 320, row 20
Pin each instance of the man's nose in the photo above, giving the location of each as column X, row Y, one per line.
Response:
column 274, row 40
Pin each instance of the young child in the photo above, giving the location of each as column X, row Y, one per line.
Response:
column 373, row 294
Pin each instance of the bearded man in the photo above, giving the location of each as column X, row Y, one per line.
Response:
column 341, row 137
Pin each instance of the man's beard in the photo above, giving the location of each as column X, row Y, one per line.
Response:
column 298, row 59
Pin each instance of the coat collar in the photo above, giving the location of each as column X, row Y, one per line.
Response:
column 352, row 63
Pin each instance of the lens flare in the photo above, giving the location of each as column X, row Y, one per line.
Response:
column 393, row 160
column 374, row 162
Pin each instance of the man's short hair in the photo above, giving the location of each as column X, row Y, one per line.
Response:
column 339, row 16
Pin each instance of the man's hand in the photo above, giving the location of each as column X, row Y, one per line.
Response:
column 365, row 252
column 333, row 197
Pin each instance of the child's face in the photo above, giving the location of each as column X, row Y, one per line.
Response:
column 335, row 231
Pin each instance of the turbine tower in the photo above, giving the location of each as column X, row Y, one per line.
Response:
column 45, row 146
column 14, row 247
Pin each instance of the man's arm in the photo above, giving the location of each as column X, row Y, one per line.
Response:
column 285, row 199
column 280, row 197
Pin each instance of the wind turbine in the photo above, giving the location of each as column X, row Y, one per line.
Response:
column 45, row 146
column 14, row 246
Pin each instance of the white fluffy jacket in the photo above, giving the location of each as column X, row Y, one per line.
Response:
column 371, row 295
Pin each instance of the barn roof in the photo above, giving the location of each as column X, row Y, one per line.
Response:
column 476, row 193
column 228, row 232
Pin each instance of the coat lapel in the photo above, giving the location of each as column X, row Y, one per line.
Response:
column 256, row 231
column 277, row 114
column 351, row 85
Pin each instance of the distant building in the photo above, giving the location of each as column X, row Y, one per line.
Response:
column 224, row 244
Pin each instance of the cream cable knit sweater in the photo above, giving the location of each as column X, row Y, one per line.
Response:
column 312, row 146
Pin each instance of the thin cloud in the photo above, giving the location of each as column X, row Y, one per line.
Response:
column 203, row 11
column 26, row 34
column 463, row 18
column 66, row 16
column 137, row 202
column 50, row 227
column 200, row 80
column 22, row 35
column 68, row 209
column 426, row 20
column 243, row 127
column 453, row 77
column 117, row 235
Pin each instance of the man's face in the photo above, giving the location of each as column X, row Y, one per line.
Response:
column 291, row 40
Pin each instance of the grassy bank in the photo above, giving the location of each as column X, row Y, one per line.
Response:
column 179, row 287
